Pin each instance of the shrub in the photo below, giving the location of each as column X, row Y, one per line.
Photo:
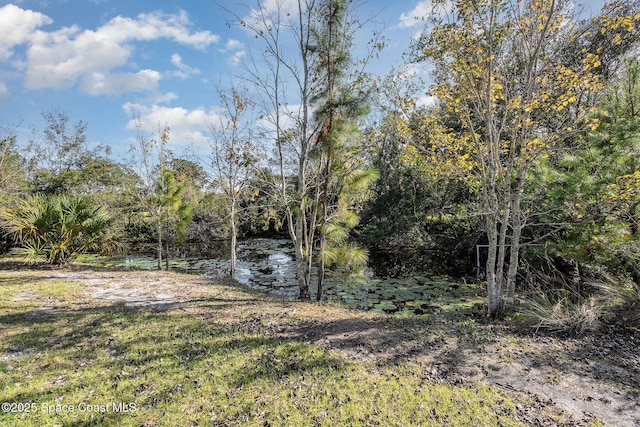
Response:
column 58, row 228
column 562, row 315
column 583, row 307
column 622, row 303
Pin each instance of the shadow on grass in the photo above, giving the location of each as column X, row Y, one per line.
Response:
column 149, row 355
column 456, row 350
column 25, row 278
column 137, row 349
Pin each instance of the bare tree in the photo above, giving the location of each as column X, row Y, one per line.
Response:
column 295, row 75
column 282, row 79
column 233, row 156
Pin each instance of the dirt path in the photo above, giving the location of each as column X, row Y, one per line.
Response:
column 556, row 381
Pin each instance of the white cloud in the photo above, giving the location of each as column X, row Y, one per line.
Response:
column 235, row 49
column 118, row 83
column 184, row 71
column 285, row 6
column 271, row 11
column 156, row 25
column 287, row 120
column 233, row 44
column 62, row 58
column 4, row 92
column 411, row 71
column 161, row 98
column 59, row 59
column 426, row 101
column 16, row 27
column 236, row 57
column 416, row 17
column 187, row 127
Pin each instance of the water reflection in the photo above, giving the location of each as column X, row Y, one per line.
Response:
column 268, row 265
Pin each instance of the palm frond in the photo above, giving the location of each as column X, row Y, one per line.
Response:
column 58, row 228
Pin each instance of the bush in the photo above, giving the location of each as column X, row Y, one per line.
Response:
column 58, row 228
column 562, row 315
column 622, row 303
column 583, row 306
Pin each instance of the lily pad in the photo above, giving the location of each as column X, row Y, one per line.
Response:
column 405, row 313
column 417, row 303
column 405, row 296
column 386, row 306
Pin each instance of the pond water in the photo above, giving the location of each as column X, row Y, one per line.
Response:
column 268, row 265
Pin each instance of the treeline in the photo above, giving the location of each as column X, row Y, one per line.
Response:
column 152, row 197
column 524, row 155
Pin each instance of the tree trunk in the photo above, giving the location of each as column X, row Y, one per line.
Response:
column 323, row 221
column 302, row 270
column 159, row 246
column 166, row 255
column 514, row 255
column 504, row 225
column 308, row 264
column 493, row 287
column 232, row 224
column 321, row 266
column 492, row 223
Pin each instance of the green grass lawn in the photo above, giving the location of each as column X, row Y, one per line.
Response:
column 80, row 363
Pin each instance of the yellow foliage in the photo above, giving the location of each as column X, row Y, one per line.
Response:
column 626, row 191
column 480, row 87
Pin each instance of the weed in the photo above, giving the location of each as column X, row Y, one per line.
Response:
column 562, row 315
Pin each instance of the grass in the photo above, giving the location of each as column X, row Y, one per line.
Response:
column 568, row 310
column 13, row 287
column 89, row 364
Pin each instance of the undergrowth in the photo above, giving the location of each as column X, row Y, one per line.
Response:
column 582, row 306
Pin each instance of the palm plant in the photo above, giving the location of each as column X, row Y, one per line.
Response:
column 58, row 228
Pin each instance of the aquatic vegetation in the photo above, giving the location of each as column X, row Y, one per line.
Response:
column 267, row 265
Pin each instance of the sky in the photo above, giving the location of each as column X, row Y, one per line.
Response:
column 106, row 62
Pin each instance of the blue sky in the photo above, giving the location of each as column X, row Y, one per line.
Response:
column 106, row 61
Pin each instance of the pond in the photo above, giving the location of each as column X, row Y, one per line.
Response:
column 268, row 265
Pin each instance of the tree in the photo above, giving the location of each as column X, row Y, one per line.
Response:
column 338, row 102
column 58, row 228
column 282, row 80
column 500, row 70
column 233, row 157
column 421, row 213
column 100, row 175
column 58, row 154
column 291, row 84
column 192, row 175
column 159, row 194
column 594, row 189
column 12, row 172
column 174, row 214
column 62, row 162
column 288, row 111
